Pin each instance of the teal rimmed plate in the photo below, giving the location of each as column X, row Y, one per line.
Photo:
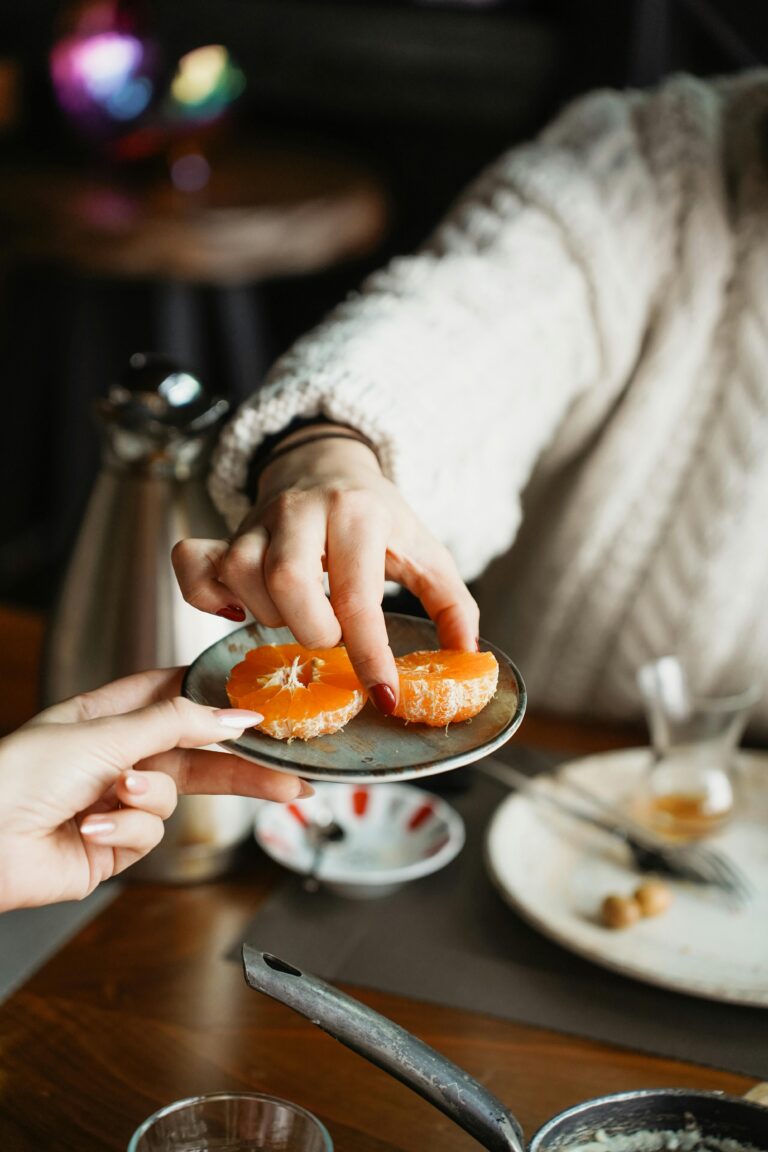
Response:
column 371, row 747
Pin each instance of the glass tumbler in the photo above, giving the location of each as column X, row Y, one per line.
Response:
column 231, row 1122
column 690, row 790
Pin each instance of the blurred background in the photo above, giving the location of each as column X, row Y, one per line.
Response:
column 205, row 180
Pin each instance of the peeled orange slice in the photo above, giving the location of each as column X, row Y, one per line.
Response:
column 446, row 686
column 302, row 693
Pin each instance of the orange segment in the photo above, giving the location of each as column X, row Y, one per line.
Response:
column 446, row 686
column 302, row 693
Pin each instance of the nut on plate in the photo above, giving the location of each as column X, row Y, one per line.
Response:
column 650, row 898
column 619, row 911
column 653, row 896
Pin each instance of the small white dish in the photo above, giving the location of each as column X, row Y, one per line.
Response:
column 393, row 833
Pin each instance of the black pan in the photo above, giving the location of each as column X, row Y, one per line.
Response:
column 472, row 1106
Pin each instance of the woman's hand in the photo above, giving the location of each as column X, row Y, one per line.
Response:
column 326, row 507
column 86, row 785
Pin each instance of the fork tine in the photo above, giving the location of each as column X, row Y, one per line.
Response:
column 728, row 871
column 722, row 872
column 735, row 887
column 719, row 863
column 703, row 866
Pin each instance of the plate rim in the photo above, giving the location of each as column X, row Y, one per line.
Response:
column 699, row 990
column 383, row 775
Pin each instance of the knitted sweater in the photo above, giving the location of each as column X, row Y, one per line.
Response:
column 569, row 384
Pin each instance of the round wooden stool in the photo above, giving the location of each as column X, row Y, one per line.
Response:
column 250, row 213
column 262, row 212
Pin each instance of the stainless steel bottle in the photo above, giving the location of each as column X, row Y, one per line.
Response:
column 120, row 609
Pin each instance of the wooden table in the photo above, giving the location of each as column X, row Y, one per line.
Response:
column 142, row 1008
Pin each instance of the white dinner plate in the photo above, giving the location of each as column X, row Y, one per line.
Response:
column 555, row 872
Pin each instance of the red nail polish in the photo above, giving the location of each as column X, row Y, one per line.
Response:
column 232, row 612
column 384, row 698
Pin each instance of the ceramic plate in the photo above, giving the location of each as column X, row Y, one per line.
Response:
column 371, row 747
column 555, row 873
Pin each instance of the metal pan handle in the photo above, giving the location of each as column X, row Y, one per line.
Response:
column 390, row 1048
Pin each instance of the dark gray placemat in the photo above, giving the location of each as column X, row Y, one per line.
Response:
column 30, row 936
column 450, row 939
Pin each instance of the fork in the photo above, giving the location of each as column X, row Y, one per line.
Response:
column 650, row 854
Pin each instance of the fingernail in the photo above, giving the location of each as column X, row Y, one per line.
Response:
column 305, row 791
column 384, row 698
column 237, row 718
column 232, row 612
column 135, row 782
column 477, row 643
column 96, row 826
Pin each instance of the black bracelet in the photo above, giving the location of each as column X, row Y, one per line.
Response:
column 283, row 450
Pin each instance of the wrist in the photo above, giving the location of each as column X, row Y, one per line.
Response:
column 323, row 440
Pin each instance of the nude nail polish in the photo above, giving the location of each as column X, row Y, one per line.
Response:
column 136, row 783
column 384, row 698
column 239, row 718
column 96, row 826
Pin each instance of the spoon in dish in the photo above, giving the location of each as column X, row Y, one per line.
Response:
column 323, row 830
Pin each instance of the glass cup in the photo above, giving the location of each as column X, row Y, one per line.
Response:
column 690, row 789
column 231, row 1122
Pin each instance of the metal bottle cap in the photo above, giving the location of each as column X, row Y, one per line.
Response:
column 158, row 417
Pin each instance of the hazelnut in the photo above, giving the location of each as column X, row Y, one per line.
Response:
column 653, row 897
column 619, row 911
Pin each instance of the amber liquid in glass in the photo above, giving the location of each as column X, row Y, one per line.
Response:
column 685, row 815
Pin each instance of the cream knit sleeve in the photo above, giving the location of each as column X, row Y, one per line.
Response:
column 462, row 361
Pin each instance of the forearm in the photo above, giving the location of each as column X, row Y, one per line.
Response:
column 450, row 368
